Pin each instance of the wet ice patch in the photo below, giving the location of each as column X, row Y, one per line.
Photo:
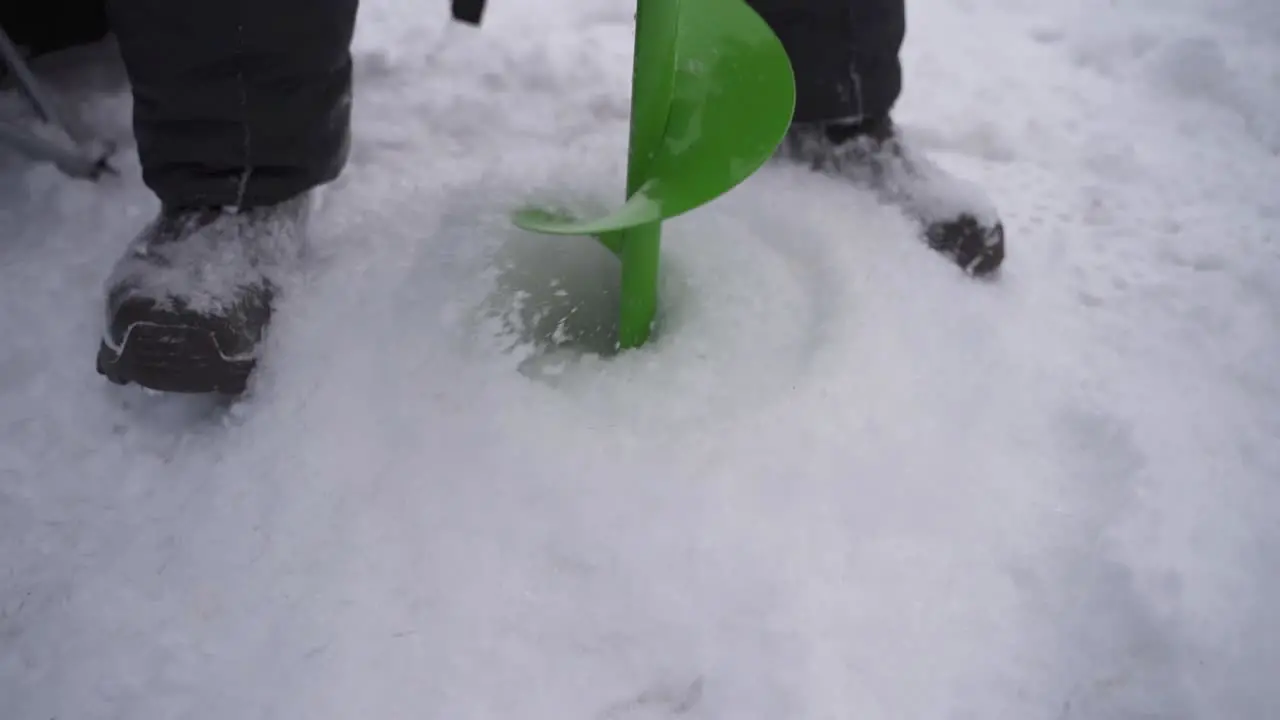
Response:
column 556, row 295
column 744, row 305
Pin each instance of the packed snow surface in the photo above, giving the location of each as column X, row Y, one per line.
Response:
column 844, row 481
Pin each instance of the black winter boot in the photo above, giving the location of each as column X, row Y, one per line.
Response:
column 956, row 217
column 190, row 300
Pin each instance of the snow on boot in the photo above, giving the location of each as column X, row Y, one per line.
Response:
column 956, row 217
column 190, row 300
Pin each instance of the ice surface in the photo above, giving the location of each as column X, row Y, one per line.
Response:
column 844, row 481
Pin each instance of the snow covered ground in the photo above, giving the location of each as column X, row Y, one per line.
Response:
column 844, row 481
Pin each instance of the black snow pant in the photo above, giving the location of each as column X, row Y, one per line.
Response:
column 247, row 102
column 844, row 54
column 236, row 102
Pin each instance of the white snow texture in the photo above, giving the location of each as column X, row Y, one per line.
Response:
column 844, row 481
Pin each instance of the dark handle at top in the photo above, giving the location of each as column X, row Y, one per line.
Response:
column 468, row 11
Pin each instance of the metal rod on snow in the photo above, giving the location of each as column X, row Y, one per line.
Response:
column 27, row 81
column 70, row 160
column 69, row 156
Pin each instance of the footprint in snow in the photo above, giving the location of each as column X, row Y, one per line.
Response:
column 662, row 700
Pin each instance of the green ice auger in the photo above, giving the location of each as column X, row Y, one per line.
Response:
column 712, row 97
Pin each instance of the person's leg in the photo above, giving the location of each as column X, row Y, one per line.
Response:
column 51, row 25
column 240, row 108
column 845, row 54
column 237, row 102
